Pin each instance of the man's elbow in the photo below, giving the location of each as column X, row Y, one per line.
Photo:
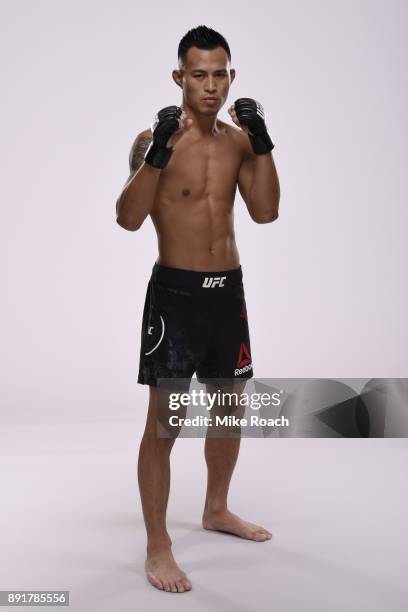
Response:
column 128, row 224
column 131, row 227
column 266, row 217
column 125, row 221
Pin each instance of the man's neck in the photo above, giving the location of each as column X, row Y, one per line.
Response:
column 206, row 126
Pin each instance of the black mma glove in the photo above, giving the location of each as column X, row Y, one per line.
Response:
column 251, row 114
column 164, row 125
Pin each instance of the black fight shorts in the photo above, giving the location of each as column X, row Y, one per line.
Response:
column 194, row 322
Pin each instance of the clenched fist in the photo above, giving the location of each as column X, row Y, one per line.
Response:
column 248, row 114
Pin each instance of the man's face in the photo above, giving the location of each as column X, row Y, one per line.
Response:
column 205, row 75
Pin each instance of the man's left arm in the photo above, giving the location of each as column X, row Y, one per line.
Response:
column 258, row 185
column 258, row 181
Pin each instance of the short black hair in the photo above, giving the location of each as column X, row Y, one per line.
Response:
column 203, row 38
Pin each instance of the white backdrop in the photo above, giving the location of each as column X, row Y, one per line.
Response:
column 325, row 288
column 325, row 284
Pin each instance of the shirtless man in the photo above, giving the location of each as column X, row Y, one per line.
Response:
column 184, row 175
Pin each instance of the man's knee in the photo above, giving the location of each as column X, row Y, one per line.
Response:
column 158, row 423
column 160, row 444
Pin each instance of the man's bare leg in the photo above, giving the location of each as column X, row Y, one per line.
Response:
column 154, row 483
column 221, row 456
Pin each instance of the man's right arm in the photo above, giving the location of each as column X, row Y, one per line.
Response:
column 137, row 198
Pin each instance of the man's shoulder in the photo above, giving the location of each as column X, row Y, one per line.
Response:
column 237, row 137
column 227, row 128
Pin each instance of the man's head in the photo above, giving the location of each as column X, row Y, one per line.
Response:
column 204, row 69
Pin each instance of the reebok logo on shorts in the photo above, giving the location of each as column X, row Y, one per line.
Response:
column 244, row 360
column 214, row 281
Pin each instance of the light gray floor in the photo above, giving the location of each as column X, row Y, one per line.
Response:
column 71, row 519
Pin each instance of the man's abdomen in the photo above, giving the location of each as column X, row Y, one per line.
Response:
column 197, row 239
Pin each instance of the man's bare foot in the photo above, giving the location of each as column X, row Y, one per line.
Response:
column 163, row 572
column 231, row 523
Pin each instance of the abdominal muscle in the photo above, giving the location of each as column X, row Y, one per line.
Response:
column 198, row 236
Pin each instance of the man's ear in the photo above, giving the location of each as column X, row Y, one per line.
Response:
column 177, row 76
column 232, row 74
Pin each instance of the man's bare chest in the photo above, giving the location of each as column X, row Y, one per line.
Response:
column 202, row 168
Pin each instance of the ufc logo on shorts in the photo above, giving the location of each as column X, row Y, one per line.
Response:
column 214, row 281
